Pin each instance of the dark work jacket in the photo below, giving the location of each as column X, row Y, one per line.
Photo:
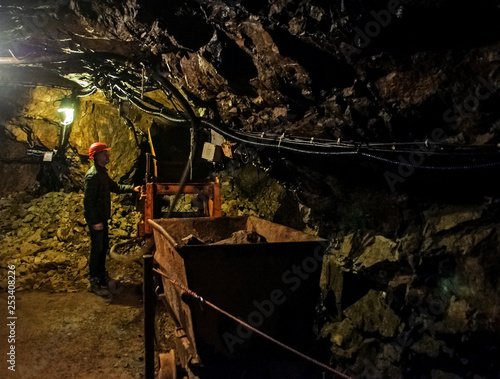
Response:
column 97, row 197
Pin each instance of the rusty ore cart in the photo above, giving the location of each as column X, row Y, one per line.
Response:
column 271, row 285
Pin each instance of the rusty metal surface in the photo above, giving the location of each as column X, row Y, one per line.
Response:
column 169, row 259
column 151, row 192
column 168, row 369
column 243, row 279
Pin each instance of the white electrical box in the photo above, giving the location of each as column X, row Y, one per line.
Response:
column 211, row 152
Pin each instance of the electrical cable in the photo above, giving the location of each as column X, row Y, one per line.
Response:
column 139, row 104
column 426, row 167
column 297, row 145
column 336, row 149
column 92, row 90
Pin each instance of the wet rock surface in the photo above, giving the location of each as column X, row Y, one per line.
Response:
column 366, row 71
column 35, row 129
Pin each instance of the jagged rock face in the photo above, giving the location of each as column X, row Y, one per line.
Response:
column 430, row 295
column 37, row 124
column 368, row 71
column 409, row 284
column 318, row 69
column 47, row 239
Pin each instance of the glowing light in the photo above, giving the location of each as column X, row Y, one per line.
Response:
column 67, row 110
column 67, row 114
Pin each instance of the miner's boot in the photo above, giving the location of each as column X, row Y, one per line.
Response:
column 104, row 280
column 96, row 288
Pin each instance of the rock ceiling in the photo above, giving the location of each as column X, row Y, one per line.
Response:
column 365, row 72
column 408, row 83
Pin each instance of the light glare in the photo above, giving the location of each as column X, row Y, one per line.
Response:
column 68, row 113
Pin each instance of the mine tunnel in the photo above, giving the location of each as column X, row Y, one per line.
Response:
column 249, row 189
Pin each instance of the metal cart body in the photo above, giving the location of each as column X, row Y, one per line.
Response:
column 273, row 286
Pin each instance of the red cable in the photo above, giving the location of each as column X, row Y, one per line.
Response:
column 196, row 296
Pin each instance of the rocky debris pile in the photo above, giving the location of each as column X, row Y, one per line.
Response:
column 47, row 240
column 424, row 304
column 186, row 205
column 238, row 237
column 242, row 237
column 248, row 190
column 245, row 190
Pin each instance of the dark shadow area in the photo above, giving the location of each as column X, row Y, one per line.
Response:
column 255, row 6
column 233, row 63
column 183, row 20
column 462, row 178
column 325, row 70
column 445, row 25
column 172, row 148
column 128, row 294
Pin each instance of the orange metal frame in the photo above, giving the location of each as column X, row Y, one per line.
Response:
column 210, row 193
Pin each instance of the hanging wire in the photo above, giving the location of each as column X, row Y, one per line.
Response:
column 241, row 322
column 122, row 76
column 142, row 81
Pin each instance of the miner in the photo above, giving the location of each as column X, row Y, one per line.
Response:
column 97, row 204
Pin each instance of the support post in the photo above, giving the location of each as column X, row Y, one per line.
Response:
column 149, row 207
column 149, row 318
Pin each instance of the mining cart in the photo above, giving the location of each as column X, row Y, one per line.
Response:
column 260, row 272
column 217, row 272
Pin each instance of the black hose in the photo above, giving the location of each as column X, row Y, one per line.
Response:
column 426, row 167
column 269, row 144
column 299, row 147
column 311, row 148
column 166, row 85
column 332, row 149
column 140, row 104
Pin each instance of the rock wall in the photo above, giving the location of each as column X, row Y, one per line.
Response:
column 47, row 239
column 35, row 125
column 247, row 190
column 408, row 284
column 409, row 281
column 367, row 70
column 420, row 303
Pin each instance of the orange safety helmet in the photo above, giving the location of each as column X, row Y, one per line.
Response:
column 97, row 147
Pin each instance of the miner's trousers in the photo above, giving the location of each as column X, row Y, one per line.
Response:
column 99, row 245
